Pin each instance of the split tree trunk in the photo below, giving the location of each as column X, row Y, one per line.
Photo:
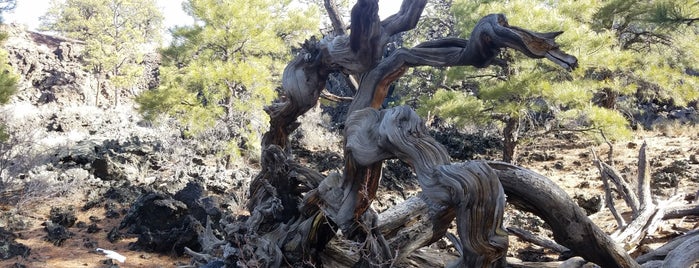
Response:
column 295, row 211
column 510, row 137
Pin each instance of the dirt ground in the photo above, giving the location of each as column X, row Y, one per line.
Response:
column 80, row 249
column 566, row 162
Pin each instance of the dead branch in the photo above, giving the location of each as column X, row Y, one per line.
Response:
column 335, row 18
column 681, row 211
column 624, row 189
column 644, row 196
column 664, row 250
column 536, row 240
column 644, row 224
column 684, row 255
column 571, row 228
column 608, row 197
column 295, row 209
column 471, row 191
column 325, row 94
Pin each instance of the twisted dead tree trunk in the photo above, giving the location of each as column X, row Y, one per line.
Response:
column 294, row 211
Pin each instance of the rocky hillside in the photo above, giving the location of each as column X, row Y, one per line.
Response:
column 52, row 71
column 81, row 173
column 71, row 159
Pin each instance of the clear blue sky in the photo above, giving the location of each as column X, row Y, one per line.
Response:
column 28, row 12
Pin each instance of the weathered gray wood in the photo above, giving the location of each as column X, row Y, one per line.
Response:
column 294, row 211
column 536, row 240
column 657, row 219
column 470, row 191
column 490, row 34
column 684, row 255
column 625, row 190
column 643, row 224
column 609, row 200
column 335, row 18
column 681, row 211
column 644, row 196
column 661, row 252
column 571, row 228
column 633, row 232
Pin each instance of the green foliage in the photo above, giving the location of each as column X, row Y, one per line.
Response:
column 116, row 33
column 228, row 65
column 8, row 78
column 436, row 22
column 625, row 50
column 455, row 106
column 8, row 83
column 603, row 123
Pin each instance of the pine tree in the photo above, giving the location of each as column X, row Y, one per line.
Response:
column 8, row 78
column 619, row 70
column 226, row 67
column 116, row 32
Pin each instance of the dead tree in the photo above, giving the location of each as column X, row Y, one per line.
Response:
column 295, row 211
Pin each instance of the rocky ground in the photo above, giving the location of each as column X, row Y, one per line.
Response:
column 78, row 176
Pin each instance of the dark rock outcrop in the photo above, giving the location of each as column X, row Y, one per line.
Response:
column 52, row 70
column 168, row 224
column 9, row 248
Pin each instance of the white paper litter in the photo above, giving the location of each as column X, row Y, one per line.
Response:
column 112, row 255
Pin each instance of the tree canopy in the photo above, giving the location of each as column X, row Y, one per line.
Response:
column 632, row 61
column 228, row 65
column 117, row 33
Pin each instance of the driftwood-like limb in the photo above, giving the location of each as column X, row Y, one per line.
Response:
column 684, row 255
column 360, row 51
column 325, row 94
column 608, row 197
column 365, row 32
column 645, row 223
column 470, row 191
column 571, row 228
column 536, row 240
column 624, row 189
column 660, row 213
column 661, row 252
column 528, row 191
column 295, row 212
column 681, row 211
column 406, row 19
column 644, row 197
column 302, row 81
column 335, row 17
column 490, row 34
column 632, row 233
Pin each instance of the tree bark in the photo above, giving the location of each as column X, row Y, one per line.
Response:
column 509, row 134
column 643, row 189
column 294, row 211
column 571, row 228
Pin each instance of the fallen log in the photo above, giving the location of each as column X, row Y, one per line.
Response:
column 661, row 252
column 675, row 212
column 532, row 192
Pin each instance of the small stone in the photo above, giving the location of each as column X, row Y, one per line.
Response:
column 694, row 159
column 631, row 145
column 558, row 165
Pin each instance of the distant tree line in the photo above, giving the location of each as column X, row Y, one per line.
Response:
column 636, row 57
